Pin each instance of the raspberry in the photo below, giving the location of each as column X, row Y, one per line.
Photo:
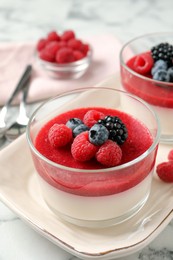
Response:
column 46, row 55
column 84, row 49
column 53, row 47
column 67, row 35
column 109, row 154
column 91, row 117
column 65, row 55
column 82, row 150
column 165, row 171
column 75, row 44
column 170, row 155
column 78, row 55
column 143, row 63
column 41, row 44
column 59, row 135
column 53, row 36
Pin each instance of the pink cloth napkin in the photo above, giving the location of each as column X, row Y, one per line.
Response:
column 15, row 56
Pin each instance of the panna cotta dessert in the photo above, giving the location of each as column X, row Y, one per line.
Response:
column 147, row 71
column 94, row 163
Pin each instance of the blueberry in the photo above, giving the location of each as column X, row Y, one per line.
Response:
column 161, row 75
column 170, row 73
column 73, row 122
column 79, row 129
column 159, row 65
column 98, row 134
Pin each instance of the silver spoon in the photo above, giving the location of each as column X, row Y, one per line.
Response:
column 19, row 126
column 4, row 125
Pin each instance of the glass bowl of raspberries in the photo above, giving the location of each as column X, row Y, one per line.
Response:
column 147, row 71
column 63, row 56
column 94, row 154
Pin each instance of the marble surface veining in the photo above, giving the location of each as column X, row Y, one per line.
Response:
column 28, row 20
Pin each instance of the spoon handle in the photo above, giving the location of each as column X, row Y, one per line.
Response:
column 21, row 84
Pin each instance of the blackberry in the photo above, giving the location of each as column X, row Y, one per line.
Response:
column 163, row 51
column 117, row 129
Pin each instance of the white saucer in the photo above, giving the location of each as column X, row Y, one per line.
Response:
column 19, row 190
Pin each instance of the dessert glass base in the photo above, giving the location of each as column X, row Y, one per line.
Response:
column 97, row 197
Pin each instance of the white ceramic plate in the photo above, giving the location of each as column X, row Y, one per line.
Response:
column 20, row 191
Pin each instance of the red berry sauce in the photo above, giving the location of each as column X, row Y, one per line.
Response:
column 87, row 183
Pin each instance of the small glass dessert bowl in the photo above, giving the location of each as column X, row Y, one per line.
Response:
column 94, row 152
column 71, row 70
column 147, row 72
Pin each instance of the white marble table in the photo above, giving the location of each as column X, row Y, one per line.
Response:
column 27, row 20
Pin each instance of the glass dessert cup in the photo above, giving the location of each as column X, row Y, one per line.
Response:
column 158, row 94
column 100, row 197
column 71, row 70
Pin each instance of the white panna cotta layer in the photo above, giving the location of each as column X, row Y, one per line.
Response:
column 95, row 208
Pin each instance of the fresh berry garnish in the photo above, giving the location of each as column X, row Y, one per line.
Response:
column 59, row 135
column 67, row 35
column 41, row 44
column 78, row 55
column 165, row 171
column 46, row 55
column 159, row 65
column 65, row 55
column 161, row 75
column 163, row 51
column 82, row 150
column 170, row 155
column 109, row 154
column 79, row 129
column 170, row 74
column 53, row 36
column 117, row 130
column 91, row 117
column 73, row 122
column 52, row 48
column 143, row 63
column 75, row 44
column 98, row 134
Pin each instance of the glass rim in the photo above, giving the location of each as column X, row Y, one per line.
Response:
column 161, row 83
column 110, row 169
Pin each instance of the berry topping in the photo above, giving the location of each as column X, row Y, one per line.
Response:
column 46, row 55
column 170, row 155
column 59, row 135
column 75, row 44
column 98, row 134
column 170, row 73
column 117, row 130
column 165, row 171
column 79, row 129
column 81, row 149
column 109, row 154
column 73, row 122
column 163, row 51
column 161, row 75
column 143, row 63
column 41, row 44
column 159, row 65
column 53, row 36
column 78, row 55
column 65, row 55
column 91, row 117
column 67, row 35
column 63, row 48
